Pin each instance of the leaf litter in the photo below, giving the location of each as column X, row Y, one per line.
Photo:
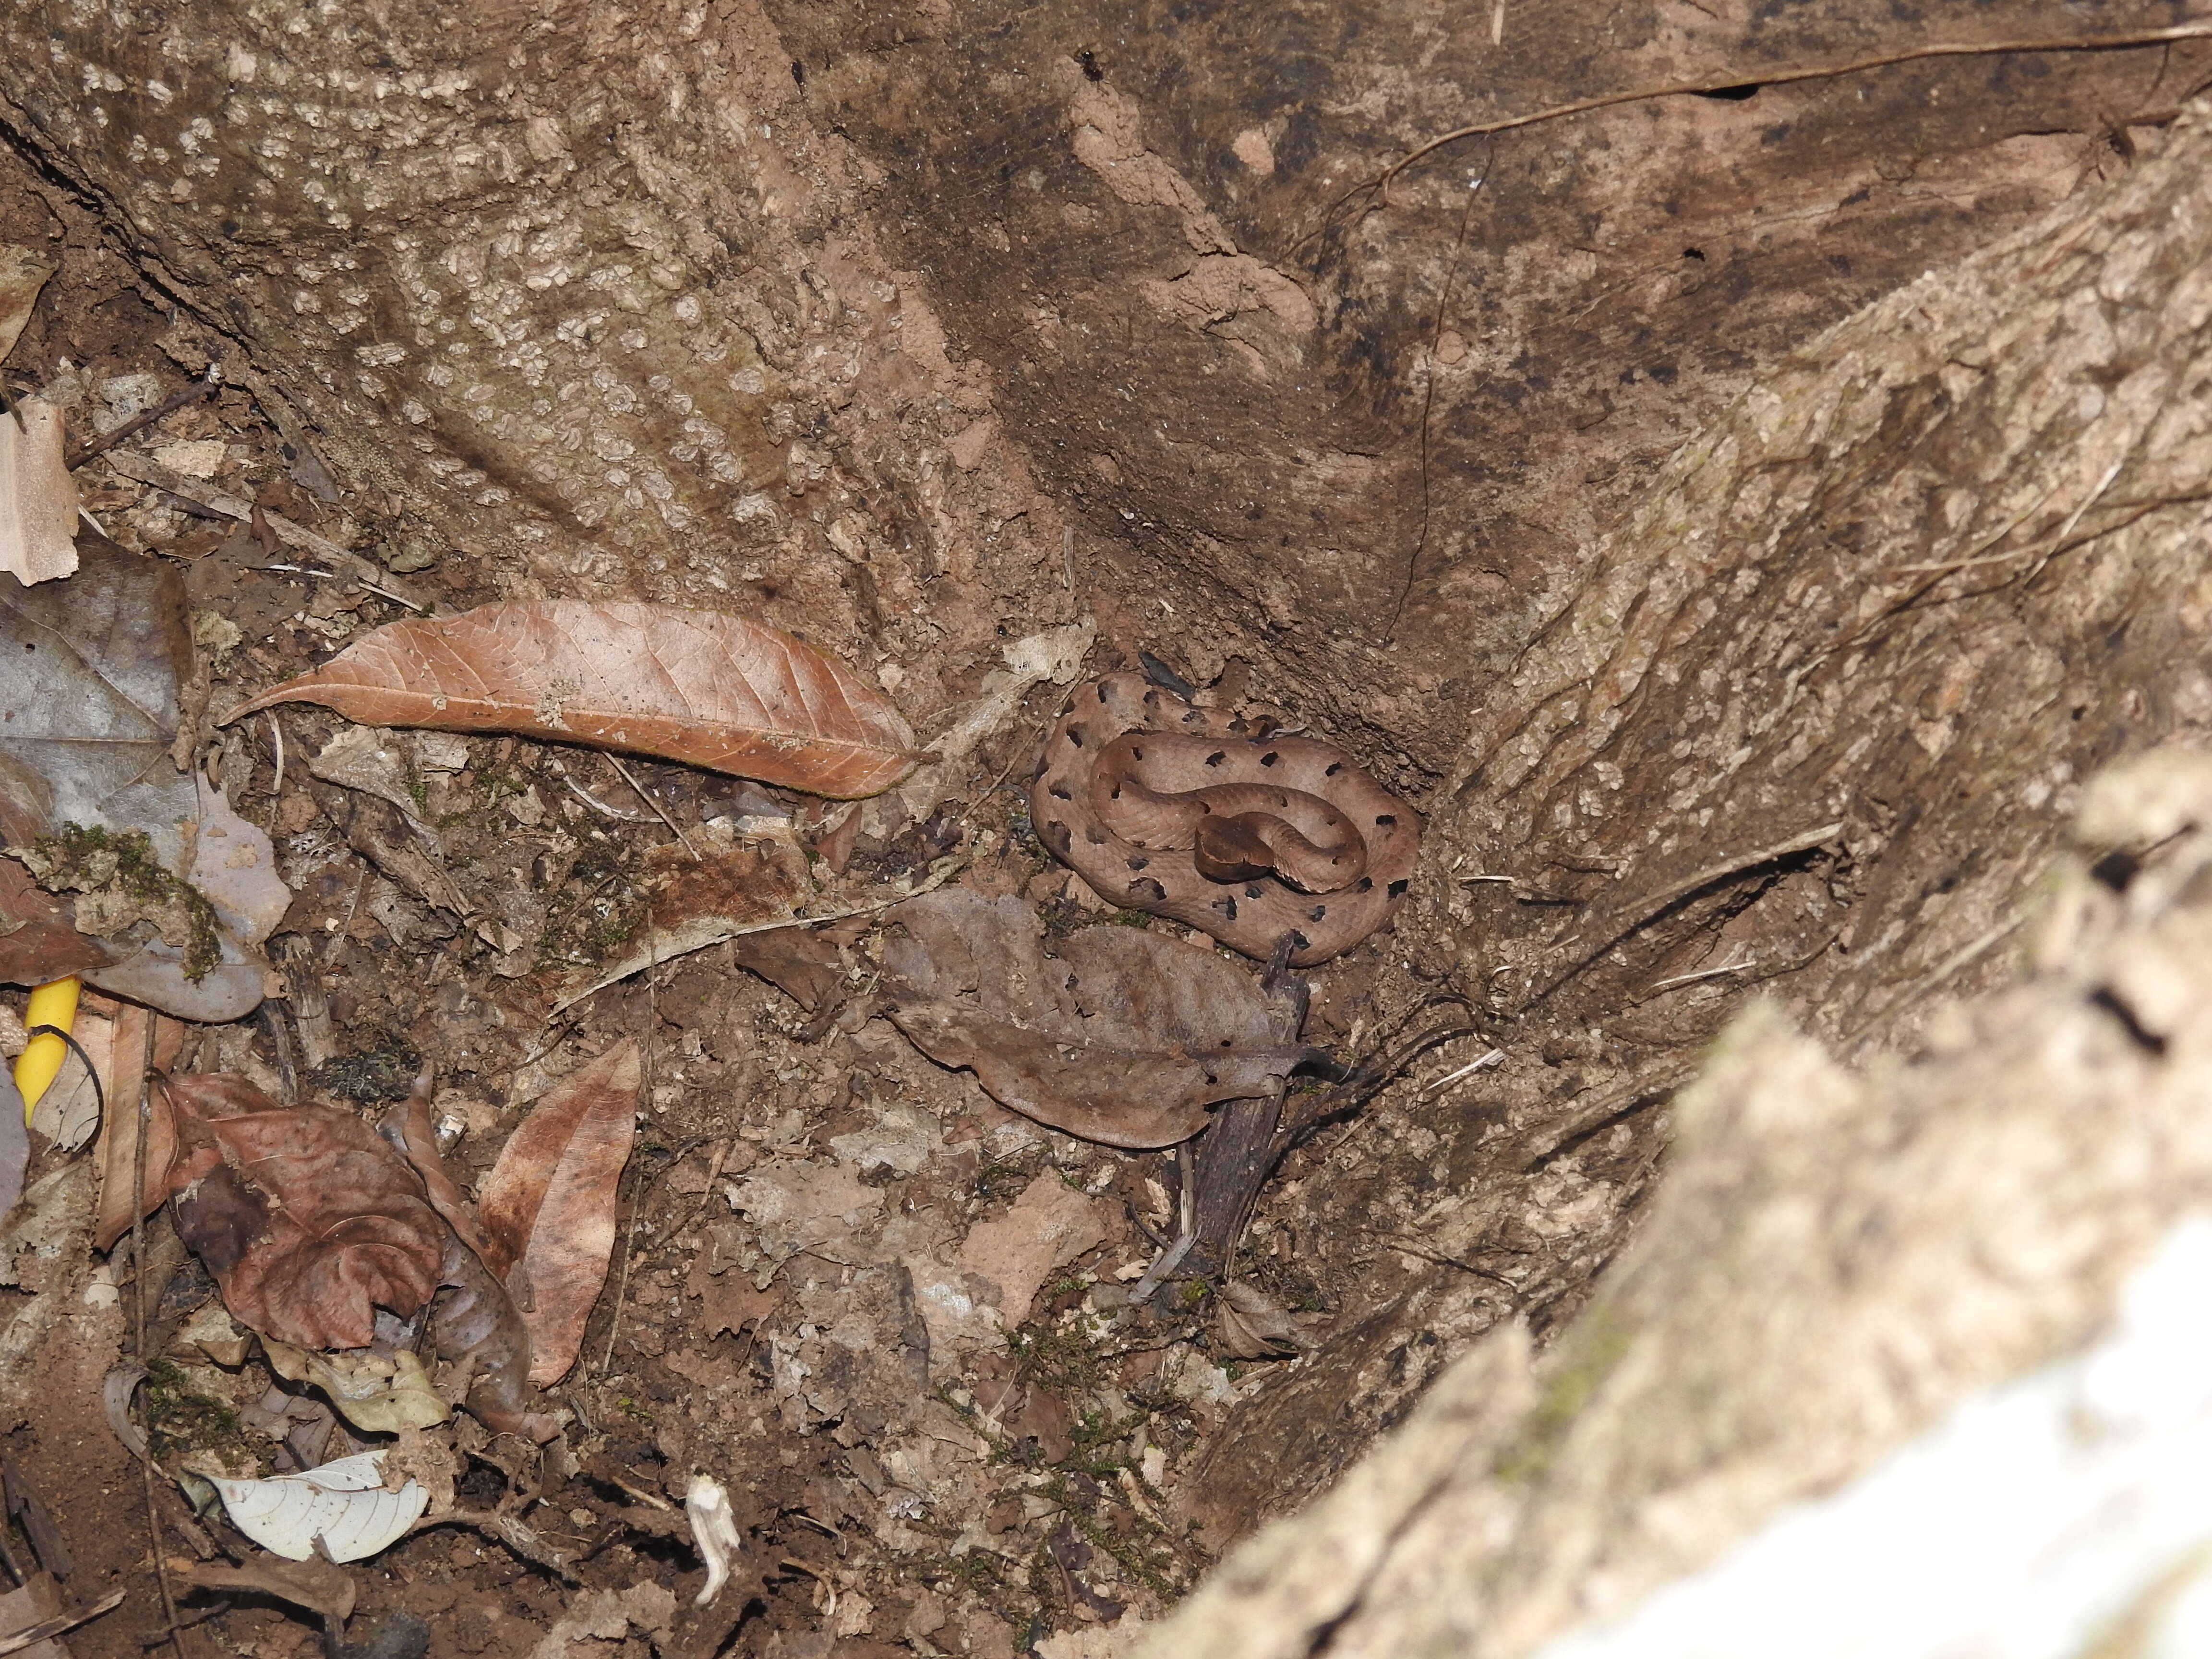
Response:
column 181, row 889
column 1129, row 1039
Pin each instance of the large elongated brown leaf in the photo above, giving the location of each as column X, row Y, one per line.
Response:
column 712, row 691
column 548, row 1207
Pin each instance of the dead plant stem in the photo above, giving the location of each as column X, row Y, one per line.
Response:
column 1429, row 398
column 145, row 1112
column 1787, row 77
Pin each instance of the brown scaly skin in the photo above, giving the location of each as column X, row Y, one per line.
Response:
column 1145, row 820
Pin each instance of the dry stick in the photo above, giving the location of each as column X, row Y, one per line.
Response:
column 46, row 1629
column 138, row 423
column 1429, row 396
column 138, row 1322
column 2195, row 31
column 623, row 772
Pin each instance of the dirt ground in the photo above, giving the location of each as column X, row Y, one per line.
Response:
column 893, row 1317
column 910, row 1470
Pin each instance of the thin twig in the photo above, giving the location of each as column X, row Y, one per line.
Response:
column 277, row 737
column 1779, row 77
column 623, row 772
column 138, row 1322
column 1428, row 394
column 46, row 1629
column 130, row 429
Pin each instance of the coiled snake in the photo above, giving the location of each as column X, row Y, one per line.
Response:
column 1181, row 812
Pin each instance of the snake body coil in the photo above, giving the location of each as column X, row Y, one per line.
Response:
column 1180, row 812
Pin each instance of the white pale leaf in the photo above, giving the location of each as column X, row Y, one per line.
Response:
column 38, row 497
column 343, row 1504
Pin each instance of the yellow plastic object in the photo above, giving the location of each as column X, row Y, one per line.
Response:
column 39, row 1065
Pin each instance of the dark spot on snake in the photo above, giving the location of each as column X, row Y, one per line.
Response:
column 1059, row 792
column 1135, row 753
column 1102, row 691
column 1190, row 714
column 1139, row 864
column 1387, row 817
column 1209, row 1077
column 1317, row 913
column 1096, row 836
column 1367, row 884
column 1227, row 906
column 1398, row 890
column 1057, row 838
column 1270, row 757
column 1075, row 736
column 1158, row 895
column 1333, row 768
column 1304, row 943
column 1117, row 792
column 1227, row 1043
column 1216, row 757
column 1251, row 892
column 1203, row 807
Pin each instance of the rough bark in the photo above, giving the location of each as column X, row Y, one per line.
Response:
column 1837, row 1256
column 579, row 288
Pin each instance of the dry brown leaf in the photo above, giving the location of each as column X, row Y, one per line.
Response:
column 548, row 1207
column 22, row 274
column 712, row 691
column 307, row 1221
column 1124, row 1037
column 1250, row 1324
column 116, row 1150
column 38, row 496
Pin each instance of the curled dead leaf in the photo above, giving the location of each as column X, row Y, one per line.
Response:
column 1250, row 1324
column 716, row 691
column 1123, row 1037
column 548, row 1207
column 307, row 1219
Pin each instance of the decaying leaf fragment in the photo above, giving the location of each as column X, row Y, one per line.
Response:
column 383, row 1395
column 548, row 1207
column 1123, row 1037
column 716, row 691
column 22, row 274
column 38, row 496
